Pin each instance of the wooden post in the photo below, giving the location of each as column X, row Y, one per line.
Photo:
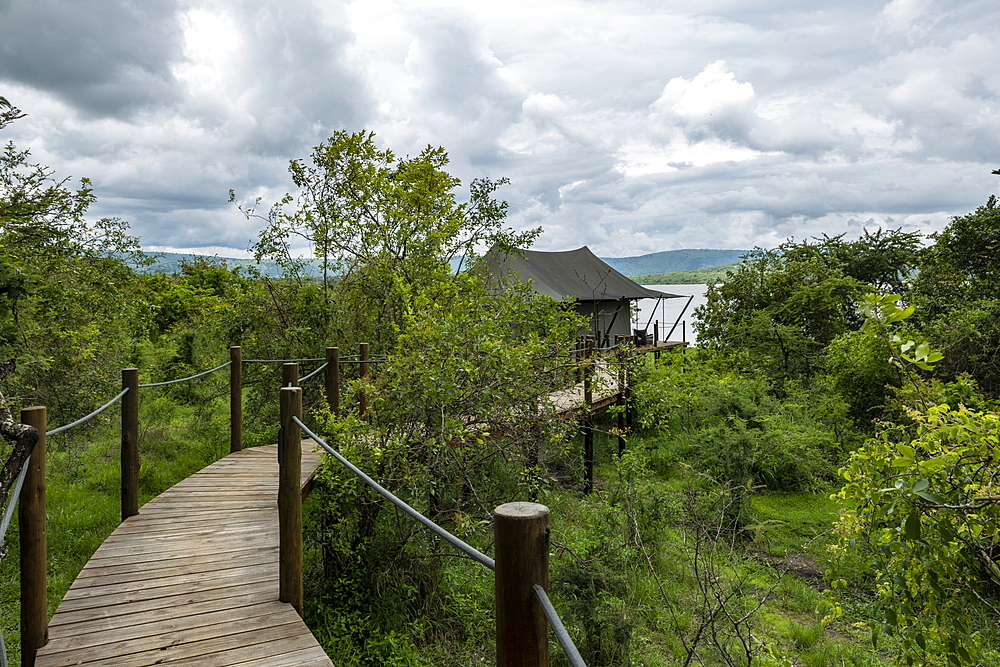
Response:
column 31, row 523
column 620, row 355
column 130, row 443
column 362, row 397
column 629, row 359
column 235, row 398
column 289, row 375
column 521, row 533
column 331, row 379
column 290, row 500
column 656, row 332
column 588, row 416
column 578, row 355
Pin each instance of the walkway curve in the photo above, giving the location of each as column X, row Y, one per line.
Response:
column 191, row 580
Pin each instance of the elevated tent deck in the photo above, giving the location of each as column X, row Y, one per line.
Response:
column 191, row 580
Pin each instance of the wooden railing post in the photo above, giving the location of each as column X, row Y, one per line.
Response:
column 31, row 523
column 362, row 397
column 521, row 534
column 289, row 375
column 130, row 443
column 588, row 415
column 290, row 500
column 331, row 377
column 235, row 398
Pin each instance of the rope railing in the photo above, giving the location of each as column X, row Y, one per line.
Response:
column 192, row 377
column 469, row 550
column 91, row 415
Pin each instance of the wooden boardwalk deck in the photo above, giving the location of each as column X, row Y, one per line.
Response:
column 191, row 580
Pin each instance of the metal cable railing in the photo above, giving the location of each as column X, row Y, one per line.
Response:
column 558, row 628
column 308, row 377
column 92, row 414
column 4, row 523
column 469, row 550
column 203, row 373
column 281, row 361
column 543, row 599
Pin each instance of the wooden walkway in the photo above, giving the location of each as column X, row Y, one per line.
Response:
column 192, row 580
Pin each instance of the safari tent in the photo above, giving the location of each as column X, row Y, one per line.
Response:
column 601, row 294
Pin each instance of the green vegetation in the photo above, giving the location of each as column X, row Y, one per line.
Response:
column 837, row 427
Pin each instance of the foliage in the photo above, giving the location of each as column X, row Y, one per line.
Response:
column 956, row 295
column 783, row 306
column 920, row 503
column 382, row 224
column 924, row 511
column 729, row 424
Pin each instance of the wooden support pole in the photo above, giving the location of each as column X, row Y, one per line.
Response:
column 235, row 398
column 521, row 534
column 289, row 375
column 130, row 443
column 588, row 416
column 290, row 500
column 629, row 360
column 620, row 355
column 362, row 397
column 331, row 379
column 31, row 523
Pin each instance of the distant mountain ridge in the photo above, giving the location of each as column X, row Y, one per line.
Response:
column 670, row 261
column 667, row 261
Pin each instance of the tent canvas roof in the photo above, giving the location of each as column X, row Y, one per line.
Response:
column 572, row 273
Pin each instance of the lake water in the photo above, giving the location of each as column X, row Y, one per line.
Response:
column 668, row 310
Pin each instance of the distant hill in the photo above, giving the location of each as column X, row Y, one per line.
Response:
column 670, row 261
column 170, row 262
column 691, row 263
column 696, row 277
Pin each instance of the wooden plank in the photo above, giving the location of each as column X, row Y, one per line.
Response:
column 191, row 580
column 262, row 614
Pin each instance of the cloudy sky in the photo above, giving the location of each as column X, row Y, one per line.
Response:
column 629, row 126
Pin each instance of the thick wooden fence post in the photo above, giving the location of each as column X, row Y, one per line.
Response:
column 331, row 378
column 289, row 375
column 235, row 398
column 290, row 500
column 521, row 533
column 362, row 397
column 588, row 415
column 130, row 443
column 31, row 523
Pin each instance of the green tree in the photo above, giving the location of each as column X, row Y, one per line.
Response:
column 380, row 223
column 956, row 293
